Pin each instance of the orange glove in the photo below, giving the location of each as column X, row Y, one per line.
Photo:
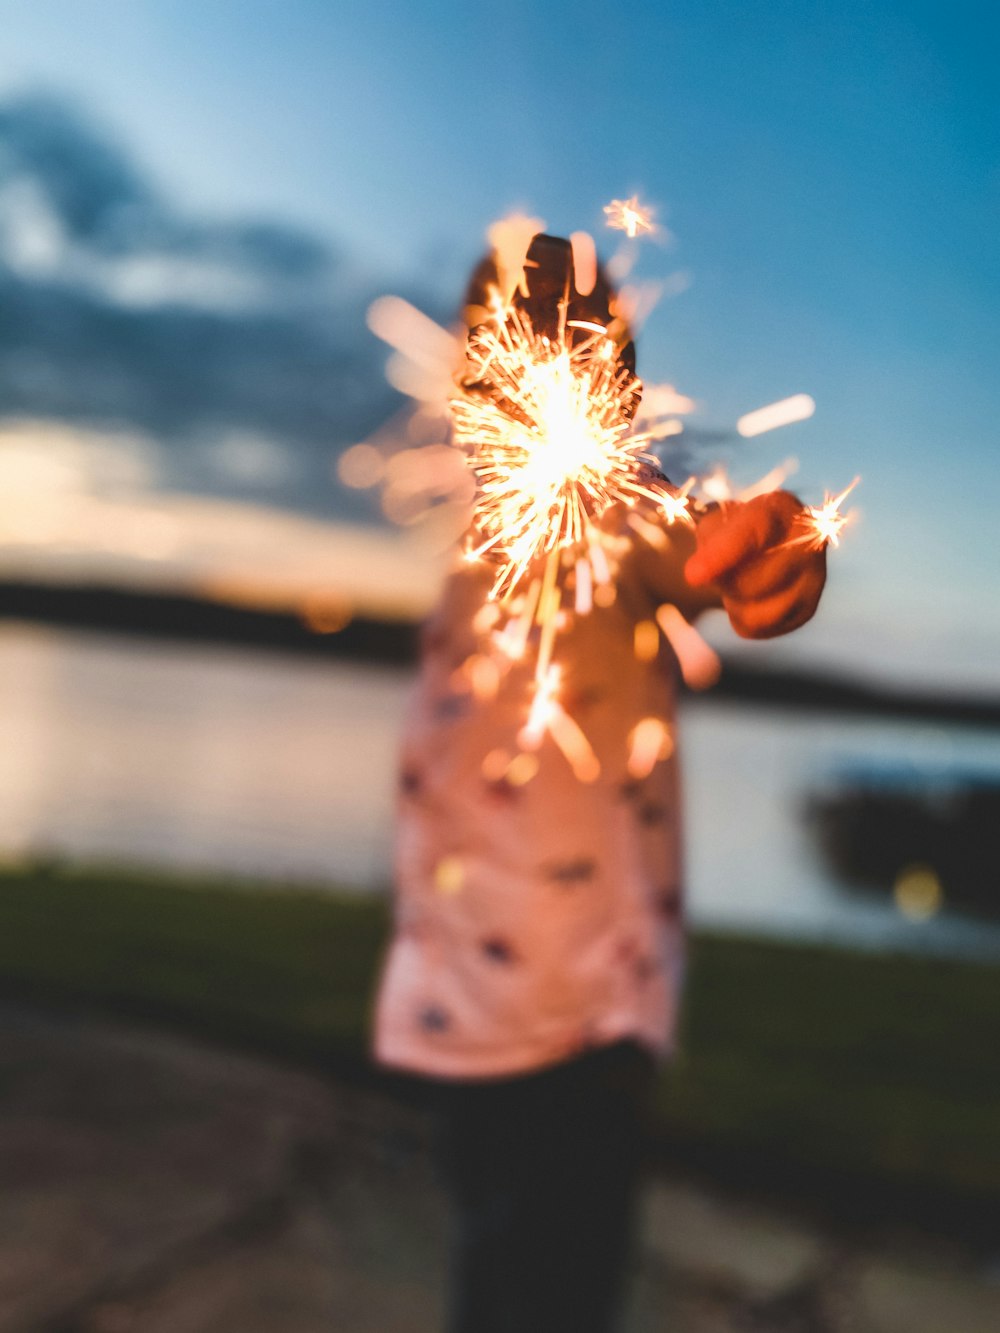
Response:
column 769, row 582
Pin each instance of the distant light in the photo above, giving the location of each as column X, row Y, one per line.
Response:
column 323, row 616
column 797, row 408
column 918, row 892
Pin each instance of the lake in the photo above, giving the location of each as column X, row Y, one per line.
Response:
column 282, row 768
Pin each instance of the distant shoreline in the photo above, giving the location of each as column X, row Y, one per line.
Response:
column 193, row 619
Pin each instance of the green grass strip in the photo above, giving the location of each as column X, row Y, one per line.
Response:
column 802, row 1059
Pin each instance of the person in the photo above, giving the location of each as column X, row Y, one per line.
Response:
column 534, row 974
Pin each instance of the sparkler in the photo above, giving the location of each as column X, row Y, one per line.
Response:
column 547, row 418
column 548, row 439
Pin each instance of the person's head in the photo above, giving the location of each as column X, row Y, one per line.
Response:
column 553, row 298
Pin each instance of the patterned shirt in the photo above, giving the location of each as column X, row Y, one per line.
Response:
column 537, row 914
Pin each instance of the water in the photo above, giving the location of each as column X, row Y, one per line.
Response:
column 278, row 767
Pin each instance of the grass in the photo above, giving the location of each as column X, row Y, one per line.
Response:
column 842, row 1068
column 287, row 971
column 816, row 1069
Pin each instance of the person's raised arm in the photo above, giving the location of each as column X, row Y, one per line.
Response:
column 753, row 558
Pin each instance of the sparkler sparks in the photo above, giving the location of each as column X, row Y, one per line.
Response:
column 546, row 426
column 824, row 523
column 629, row 216
column 785, row 413
column 548, row 431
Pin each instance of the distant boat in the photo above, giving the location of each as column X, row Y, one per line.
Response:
column 933, row 836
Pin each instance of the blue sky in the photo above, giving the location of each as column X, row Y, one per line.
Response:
column 831, row 174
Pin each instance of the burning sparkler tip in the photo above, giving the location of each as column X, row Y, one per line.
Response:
column 629, row 216
column 825, row 522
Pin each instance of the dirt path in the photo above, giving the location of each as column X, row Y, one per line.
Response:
column 156, row 1185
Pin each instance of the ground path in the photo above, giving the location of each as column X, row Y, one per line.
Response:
column 149, row 1184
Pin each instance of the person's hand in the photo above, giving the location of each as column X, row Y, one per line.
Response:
column 769, row 581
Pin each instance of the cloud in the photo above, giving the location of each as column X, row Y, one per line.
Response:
column 78, row 508
column 238, row 347
column 75, row 211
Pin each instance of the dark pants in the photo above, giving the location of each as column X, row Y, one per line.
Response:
column 543, row 1171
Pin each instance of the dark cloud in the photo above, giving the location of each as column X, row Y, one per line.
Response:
column 240, row 347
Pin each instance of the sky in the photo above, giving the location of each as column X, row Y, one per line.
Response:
column 829, row 175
